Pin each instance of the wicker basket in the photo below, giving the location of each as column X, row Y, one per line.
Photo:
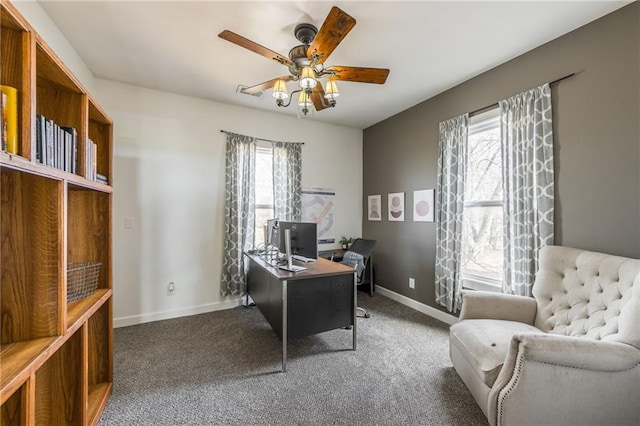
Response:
column 82, row 279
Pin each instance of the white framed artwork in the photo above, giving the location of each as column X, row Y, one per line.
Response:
column 396, row 207
column 423, row 205
column 374, row 207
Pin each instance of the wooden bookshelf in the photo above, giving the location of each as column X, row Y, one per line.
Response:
column 56, row 357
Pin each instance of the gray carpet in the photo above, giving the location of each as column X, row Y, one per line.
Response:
column 222, row 368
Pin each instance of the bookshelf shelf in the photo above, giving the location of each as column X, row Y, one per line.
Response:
column 80, row 310
column 18, row 360
column 56, row 362
column 98, row 397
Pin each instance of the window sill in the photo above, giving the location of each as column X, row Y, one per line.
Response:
column 483, row 284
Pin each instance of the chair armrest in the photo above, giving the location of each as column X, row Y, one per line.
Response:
column 577, row 352
column 564, row 372
column 490, row 305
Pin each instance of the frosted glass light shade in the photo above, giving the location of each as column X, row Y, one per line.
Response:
column 304, row 100
column 331, row 91
column 280, row 90
column 307, row 78
column 305, row 106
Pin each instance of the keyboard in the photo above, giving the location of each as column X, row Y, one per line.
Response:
column 302, row 258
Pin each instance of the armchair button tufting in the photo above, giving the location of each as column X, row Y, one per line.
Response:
column 493, row 345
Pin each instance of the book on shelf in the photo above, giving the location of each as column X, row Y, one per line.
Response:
column 48, row 141
column 56, row 146
column 9, row 119
column 3, row 121
column 73, row 148
column 91, row 159
column 102, row 179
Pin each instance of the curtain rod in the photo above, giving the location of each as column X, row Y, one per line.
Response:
column 494, row 105
column 259, row 139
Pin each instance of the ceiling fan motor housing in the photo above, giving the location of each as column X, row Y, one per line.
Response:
column 305, row 33
column 298, row 55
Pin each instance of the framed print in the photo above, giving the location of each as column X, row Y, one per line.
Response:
column 374, row 207
column 396, row 207
column 423, row 205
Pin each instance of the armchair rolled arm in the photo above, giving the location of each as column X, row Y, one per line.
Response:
column 578, row 361
column 577, row 352
column 489, row 305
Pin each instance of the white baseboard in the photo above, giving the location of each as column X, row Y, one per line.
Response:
column 420, row 307
column 230, row 304
column 176, row 313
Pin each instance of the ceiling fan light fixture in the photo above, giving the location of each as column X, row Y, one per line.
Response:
column 306, row 65
column 331, row 90
column 308, row 78
column 304, row 103
column 280, row 90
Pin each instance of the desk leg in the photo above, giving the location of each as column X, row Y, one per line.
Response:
column 284, row 326
column 355, row 308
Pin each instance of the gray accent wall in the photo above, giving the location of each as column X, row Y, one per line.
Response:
column 597, row 148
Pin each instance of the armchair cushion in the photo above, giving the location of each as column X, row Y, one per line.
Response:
column 484, row 343
column 489, row 305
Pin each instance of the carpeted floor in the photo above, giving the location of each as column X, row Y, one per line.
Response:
column 223, row 368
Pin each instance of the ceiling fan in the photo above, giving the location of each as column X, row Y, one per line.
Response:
column 306, row 63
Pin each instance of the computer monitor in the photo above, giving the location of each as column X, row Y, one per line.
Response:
column 271, row 233
column 304, row 238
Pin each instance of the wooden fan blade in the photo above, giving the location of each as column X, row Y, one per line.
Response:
column 335, row 27
column 254, row 47
column 317, row 96
column 360, row 75
column 264, row 86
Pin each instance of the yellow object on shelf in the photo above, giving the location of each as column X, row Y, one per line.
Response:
column 10, row 119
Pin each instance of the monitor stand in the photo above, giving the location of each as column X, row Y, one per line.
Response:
column 287, row 244
column 292, row 268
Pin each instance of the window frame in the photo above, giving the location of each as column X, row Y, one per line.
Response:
column 262, row 148
column 479, row 123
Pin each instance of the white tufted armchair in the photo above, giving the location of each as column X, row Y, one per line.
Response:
column 568, row 356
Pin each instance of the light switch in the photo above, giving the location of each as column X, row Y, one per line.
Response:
column 128, row 223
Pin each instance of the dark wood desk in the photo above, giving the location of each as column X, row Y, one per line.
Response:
column 321, row 298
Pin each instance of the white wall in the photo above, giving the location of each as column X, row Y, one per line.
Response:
column 44, row 26
column 169, row 177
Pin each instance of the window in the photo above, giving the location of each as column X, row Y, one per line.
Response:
column 482, row 256
column 264, row 192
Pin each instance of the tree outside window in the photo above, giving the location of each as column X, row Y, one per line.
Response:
column 482, row 256
column 264, row 193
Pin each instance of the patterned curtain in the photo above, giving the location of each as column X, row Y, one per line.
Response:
column 287, row 181
column 239, row 210
column 452, row 164
column 527, row 160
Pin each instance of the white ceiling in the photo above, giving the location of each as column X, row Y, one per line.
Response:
column 429, row 46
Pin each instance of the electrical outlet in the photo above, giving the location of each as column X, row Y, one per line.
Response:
column 171, row 289
column 412, row 283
